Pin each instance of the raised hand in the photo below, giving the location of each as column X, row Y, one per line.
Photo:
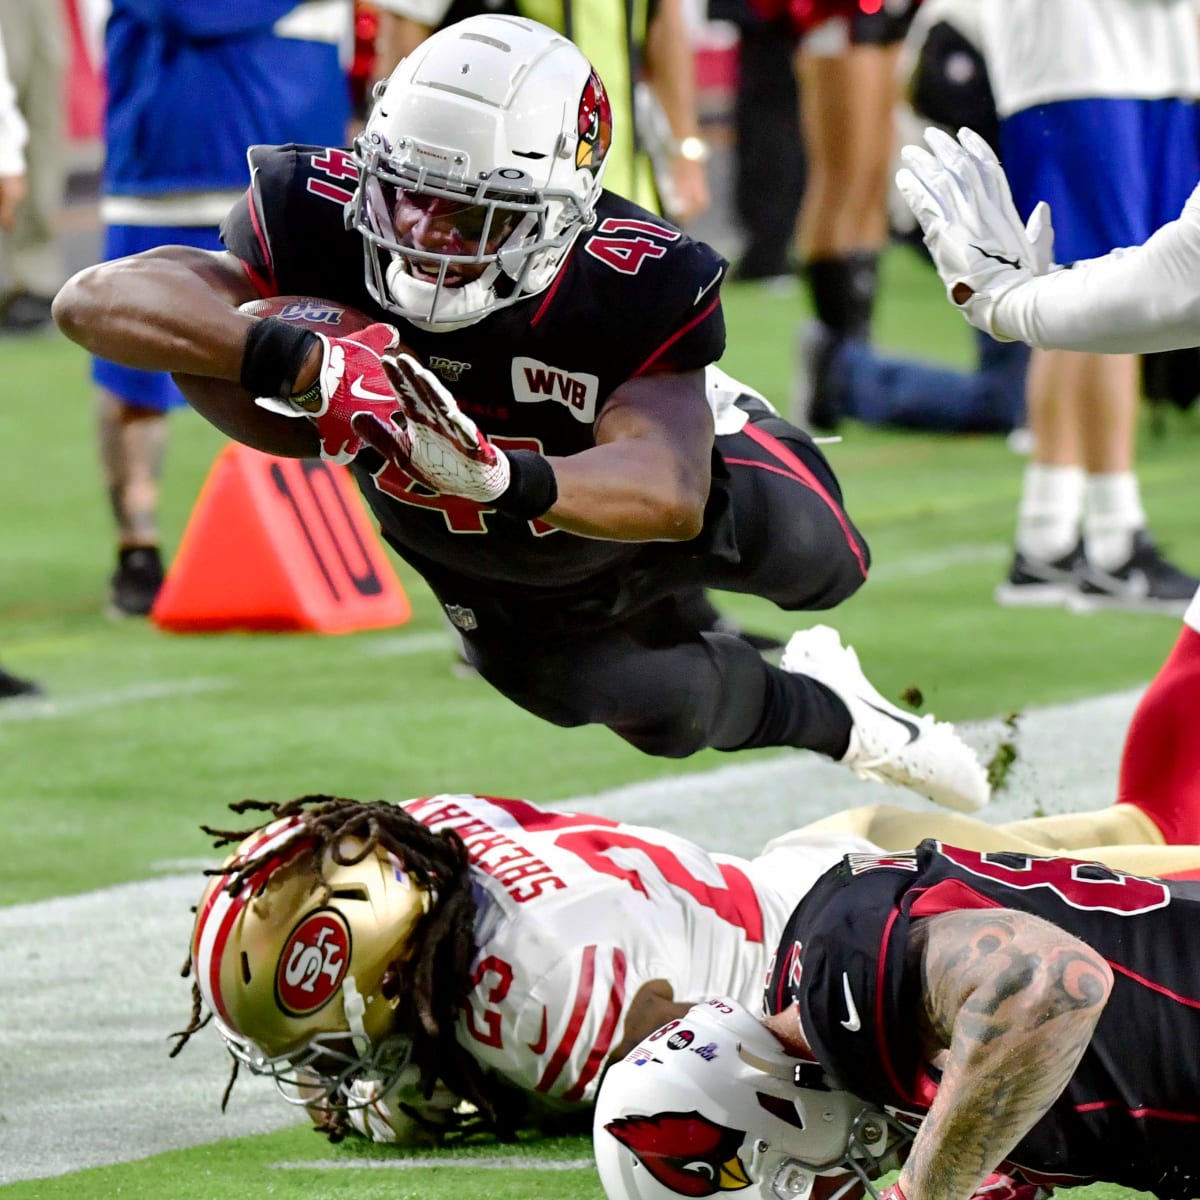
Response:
column 959, row 193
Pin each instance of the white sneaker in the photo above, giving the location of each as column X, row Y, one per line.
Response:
column 888, row 744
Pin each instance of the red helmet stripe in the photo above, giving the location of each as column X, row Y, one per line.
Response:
column 252, row 845
column 223, row 910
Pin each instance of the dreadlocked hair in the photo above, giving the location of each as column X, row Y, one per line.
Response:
column 434, row 977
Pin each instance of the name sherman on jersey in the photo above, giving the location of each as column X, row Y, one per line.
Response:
column 577, row 912
column 1130, row 1113
column 635, row 296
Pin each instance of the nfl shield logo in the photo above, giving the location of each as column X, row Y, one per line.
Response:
column 461, row 618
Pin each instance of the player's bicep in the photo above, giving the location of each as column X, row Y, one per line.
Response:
column 667, row 419
column 985, row 974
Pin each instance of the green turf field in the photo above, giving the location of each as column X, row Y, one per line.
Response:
column 146, row 734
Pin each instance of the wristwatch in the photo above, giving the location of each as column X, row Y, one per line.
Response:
column 693, row 148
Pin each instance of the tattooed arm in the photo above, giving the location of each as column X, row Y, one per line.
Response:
column 1009, row 1004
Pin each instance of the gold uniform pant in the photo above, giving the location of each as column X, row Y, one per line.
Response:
column 1121, row 836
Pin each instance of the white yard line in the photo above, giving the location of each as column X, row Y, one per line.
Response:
column 513, row 1162
column 51, row 707
column 89, row 990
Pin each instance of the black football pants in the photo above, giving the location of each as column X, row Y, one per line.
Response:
column 661, row 685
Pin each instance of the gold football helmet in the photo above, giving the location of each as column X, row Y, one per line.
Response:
column 296, row 973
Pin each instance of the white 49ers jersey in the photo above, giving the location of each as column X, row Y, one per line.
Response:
column 577, row 912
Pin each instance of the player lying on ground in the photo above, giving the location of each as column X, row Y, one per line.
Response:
column 1029, row 1016
column 537, row 420
column 508, row 951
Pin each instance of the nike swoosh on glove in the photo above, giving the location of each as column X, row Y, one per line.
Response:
column 958, row 191
column 431, row 439
column 352, row 380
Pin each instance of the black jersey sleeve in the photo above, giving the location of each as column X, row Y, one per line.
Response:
column 841, row 957
column 289, row 227
column 646, row 289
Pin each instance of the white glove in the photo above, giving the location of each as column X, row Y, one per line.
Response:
column 960, row 195
column 431, row 439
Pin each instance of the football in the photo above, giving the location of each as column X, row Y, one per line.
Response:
column 231, row 409
column 311, row 312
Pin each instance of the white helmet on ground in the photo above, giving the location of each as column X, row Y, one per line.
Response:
column 711, row 1103
column 502, row 124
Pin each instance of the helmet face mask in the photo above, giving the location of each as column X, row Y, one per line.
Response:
column 496, row 129
column 299, row 974
column 711, row 1104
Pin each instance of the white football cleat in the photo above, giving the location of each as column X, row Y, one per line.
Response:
column 888, row 744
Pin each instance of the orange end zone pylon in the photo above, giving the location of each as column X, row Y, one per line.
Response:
column 279, row 544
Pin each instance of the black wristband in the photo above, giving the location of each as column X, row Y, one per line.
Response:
column 274, row 352
column 532, row 488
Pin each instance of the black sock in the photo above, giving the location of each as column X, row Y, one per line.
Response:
column 843, row 291
column 798, row 711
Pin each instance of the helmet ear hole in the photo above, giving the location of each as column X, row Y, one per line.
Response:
column 245, row 967
column 389, row 985
column 777, row 1106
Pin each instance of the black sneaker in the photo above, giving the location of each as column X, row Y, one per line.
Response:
column 12, row 686
column 813, row 402
column 1146, row 582
column 23, row 312
column 135, row 582
column 1035, row 583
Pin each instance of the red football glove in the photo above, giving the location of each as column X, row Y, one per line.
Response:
column 430, row 439
column 352, row 380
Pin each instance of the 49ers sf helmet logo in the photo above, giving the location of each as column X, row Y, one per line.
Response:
column 595, row 125
column 313, row 963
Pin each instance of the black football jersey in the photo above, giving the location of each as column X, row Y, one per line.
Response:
column 1131, row 1112
column 635, row 296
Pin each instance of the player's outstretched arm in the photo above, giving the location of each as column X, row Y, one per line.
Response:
column 1133, row 300
column 1010, row 1003
column 170, row 309
column 175, row 309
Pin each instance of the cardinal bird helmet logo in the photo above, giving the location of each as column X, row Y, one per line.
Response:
column 685, row 1151
column 595, row 125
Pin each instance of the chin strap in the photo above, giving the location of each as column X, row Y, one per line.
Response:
column 356, row 1009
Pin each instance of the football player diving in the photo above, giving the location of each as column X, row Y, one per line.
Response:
column 383, row 962
column 537, row 419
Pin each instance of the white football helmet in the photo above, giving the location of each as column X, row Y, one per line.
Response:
column 295, row 976
column 711, row 1103
column 501, row 124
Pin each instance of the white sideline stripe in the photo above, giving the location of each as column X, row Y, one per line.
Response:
column 964, row 555
column 51, row 707
column 91, row 989
column 512, row 1163
column 405, row 643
